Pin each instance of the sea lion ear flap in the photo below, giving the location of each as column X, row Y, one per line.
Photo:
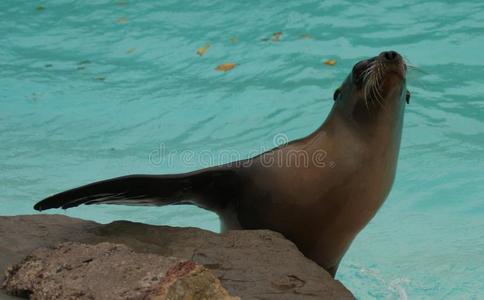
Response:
column 336, row 93
column 407, row 97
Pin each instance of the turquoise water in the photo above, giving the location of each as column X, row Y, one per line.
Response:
column 90, row 91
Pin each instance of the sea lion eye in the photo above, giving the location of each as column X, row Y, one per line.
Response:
column 408, row 97
column 336, row 94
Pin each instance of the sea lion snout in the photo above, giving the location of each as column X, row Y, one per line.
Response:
column 390, row 56
column 393, row 61
column 376, row 80
column 385, row 60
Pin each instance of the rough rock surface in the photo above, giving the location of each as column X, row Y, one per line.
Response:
column 109, row 271
column 255, row 264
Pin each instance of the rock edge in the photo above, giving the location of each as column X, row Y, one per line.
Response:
column 250, row 264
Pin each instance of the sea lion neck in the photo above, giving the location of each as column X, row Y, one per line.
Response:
column 376, row 125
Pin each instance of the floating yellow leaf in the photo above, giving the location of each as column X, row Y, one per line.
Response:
column 131, row 50
column 330, row 62
column 201, row 51
column 40, row 7
column 276, row 36
column 122, row 20
column 225, row 67
column 233, row 39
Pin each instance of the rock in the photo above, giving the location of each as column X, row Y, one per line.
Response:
column 251, row 264
column 109, row 271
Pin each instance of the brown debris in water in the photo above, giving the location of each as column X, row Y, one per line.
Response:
column 225, row 67
column 201, row 51
column 276, row 36
column 122, row 20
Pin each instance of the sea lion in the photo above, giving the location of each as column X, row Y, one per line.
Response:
column 319, row 204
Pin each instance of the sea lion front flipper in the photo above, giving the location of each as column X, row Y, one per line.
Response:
column 210, row 189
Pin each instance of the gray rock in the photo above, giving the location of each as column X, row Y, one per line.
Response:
column 110, row 271
column 255, row 264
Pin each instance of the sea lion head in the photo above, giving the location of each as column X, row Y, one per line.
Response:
column 374, row 84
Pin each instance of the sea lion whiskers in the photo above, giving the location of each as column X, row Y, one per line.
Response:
column 408, row 64
column 365, row 75
column 415, row 78
column 377, row 85
column 368, row 71
column 415, row 68
column 372, row 79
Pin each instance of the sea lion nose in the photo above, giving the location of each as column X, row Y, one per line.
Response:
column 390, row 56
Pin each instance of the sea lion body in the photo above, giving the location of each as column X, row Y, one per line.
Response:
column 319, row 191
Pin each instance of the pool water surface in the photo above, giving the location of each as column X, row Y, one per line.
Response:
column 92, row 90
